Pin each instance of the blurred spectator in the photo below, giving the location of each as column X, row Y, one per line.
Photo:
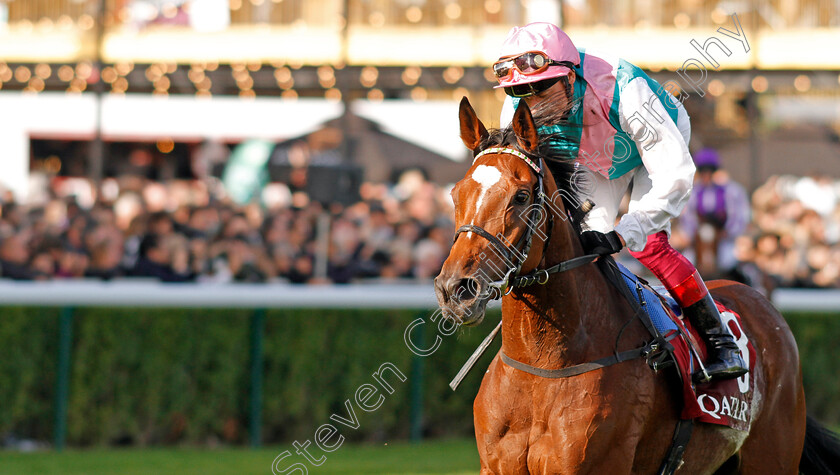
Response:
column 105, row 257
column 428, row 256
column 301, row 271
column 160, row 223
column 14, row 258
column 163, row 257
column 717, row 212
column 42, row 266
column 72, row 263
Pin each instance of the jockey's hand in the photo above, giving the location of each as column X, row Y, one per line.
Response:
column 599, row 243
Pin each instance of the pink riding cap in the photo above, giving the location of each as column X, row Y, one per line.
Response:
column 544, row 37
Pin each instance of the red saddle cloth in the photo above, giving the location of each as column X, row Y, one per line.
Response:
column 727, row 402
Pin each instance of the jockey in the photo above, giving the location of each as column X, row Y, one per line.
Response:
column 633, row 135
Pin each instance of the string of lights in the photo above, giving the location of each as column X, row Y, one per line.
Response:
column 329, row 81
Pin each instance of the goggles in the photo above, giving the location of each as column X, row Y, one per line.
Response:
column 532, row 62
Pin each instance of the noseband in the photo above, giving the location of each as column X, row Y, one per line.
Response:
column 516, row 255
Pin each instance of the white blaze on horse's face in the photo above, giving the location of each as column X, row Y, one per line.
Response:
column 486, row 176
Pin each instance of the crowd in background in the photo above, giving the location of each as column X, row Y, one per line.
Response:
column 796, row 231
column 187, row 230
column 791, row 238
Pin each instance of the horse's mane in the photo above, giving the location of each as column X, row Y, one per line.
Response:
column 558, row 158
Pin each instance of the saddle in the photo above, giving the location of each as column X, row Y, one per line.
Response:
column 725, row 402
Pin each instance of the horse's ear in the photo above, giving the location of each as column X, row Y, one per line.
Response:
column 525, row 129
column 473, row 131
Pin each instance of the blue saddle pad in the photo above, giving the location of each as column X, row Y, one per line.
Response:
column 653, row 305
column 664, row 294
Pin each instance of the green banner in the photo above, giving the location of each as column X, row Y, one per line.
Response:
column 246, row 172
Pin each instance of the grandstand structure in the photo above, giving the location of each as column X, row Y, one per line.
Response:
column 760, row 78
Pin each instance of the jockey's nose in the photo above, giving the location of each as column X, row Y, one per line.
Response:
column 457, row 289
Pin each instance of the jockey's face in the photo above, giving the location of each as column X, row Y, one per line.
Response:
column 556, row 94
column 705, row 175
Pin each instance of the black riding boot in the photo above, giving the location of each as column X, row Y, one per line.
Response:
column 725, row 361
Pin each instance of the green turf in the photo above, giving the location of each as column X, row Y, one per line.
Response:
column 438, row 457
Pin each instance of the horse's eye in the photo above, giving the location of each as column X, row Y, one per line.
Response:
column 521, row 197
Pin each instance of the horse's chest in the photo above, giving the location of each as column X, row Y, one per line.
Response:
column 557, row 440
column 555, row 426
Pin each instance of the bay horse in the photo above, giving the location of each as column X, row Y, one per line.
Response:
column 618, row 419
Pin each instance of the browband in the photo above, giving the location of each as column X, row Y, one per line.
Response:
column 511, row 151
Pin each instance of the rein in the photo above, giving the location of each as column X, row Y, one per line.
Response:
column 518, row 254
column 653, row 351
column 541, row 277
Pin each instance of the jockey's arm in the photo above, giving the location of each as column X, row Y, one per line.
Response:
column 663, row 147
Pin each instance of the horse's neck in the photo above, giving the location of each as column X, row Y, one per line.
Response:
column 551, row 325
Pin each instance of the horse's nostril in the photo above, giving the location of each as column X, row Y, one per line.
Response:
column 467, row 289
column 454, row 290
column 441, row 289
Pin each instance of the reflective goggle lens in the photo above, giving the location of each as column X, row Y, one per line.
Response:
column 530, row 62
column 527, row 63
column 502, row 68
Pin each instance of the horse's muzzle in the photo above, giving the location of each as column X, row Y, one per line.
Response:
column 461, row 298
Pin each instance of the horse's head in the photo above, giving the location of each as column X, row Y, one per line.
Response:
column 500, row 213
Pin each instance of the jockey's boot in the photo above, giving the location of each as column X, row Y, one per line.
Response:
column 684, row 283
column 725, row 361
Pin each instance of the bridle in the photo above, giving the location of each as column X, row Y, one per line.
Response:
column 518, row 253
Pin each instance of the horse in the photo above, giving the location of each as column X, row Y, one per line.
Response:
column 618, row 419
